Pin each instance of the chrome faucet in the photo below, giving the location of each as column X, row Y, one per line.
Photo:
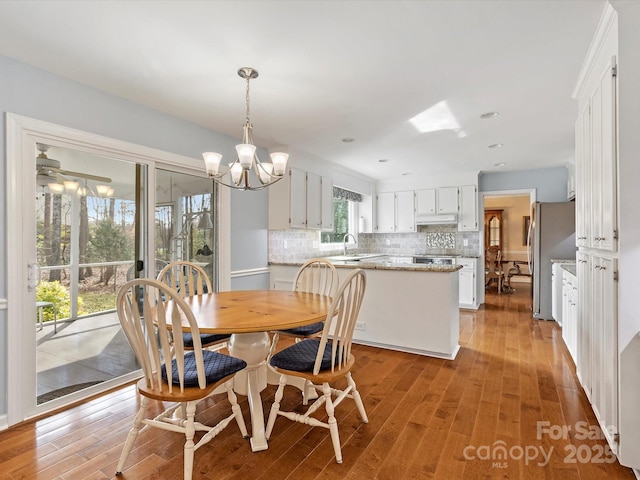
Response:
column 344, row 241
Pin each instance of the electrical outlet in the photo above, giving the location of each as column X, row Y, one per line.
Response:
column 361, row 326
column 387, row 242
column 465, row 242
column 285, row 244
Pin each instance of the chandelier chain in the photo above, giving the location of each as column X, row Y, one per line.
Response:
column 247, row 100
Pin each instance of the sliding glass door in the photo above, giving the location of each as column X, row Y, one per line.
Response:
column 106, row 211
column 186, row 221
column 86, row 237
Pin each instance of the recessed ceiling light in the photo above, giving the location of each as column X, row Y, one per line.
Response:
column 495, row 145
column 406, row 173
column 348, row 140
column 484, row 116
column 501, row 164
column 383, row 160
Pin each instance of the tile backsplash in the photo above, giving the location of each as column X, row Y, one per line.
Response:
column 299, row 245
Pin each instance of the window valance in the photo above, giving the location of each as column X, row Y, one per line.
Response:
column 346, row 194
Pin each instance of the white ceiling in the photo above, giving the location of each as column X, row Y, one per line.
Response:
column 334, row 69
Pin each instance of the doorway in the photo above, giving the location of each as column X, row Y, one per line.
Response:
column 134, row 214
column 506, row 215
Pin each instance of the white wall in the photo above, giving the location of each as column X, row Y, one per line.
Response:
column 550, row 183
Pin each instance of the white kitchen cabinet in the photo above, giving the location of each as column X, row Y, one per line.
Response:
column 468, row 221
column 603, row 152
column 604, row 348
column 326, row 198
column 583, row 365
column 583, row 179
column 569, row 298
column 301, row 200
column 557, row 284
column 597, row 333
column 396, row 212
column 596, row 176
column 405, row 211
column 298, row 198
column 432, row 201
column 314, row 201
column 447, row 200
column 386, row 212
column 467, row 282
column 281, row 276
column 426, row 202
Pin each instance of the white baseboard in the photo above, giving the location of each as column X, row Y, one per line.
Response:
column 4, row 423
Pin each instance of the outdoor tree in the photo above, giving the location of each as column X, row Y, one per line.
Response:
column 55, row 230
column 84, row 239
column 109, row 244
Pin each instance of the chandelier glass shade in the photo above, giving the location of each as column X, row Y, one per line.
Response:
column 246, row 168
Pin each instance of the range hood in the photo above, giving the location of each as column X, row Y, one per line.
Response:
column 436, row 219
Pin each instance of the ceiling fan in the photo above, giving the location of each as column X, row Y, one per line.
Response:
column 48, row 170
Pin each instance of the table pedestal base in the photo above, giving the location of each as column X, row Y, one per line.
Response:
column 253, row 348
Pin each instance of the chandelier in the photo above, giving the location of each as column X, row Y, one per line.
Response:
column 247, row 161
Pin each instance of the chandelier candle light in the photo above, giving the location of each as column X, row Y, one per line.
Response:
column 266, row 173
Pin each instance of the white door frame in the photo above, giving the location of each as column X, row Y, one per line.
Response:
column 22, row 135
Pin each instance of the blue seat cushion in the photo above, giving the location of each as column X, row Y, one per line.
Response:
column 306, row 330
column 216, row 367
column 205, row 339
column 301, row 357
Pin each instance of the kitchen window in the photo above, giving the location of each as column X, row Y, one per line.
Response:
column 345, row 218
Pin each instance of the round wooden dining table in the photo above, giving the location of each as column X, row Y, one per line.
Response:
column 249, row 315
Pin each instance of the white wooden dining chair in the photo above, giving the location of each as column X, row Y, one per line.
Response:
column 189, row 279
column 323, row 361
column 317, row 275
column 184, row 377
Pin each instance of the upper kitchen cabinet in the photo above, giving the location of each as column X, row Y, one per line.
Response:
column 426, row 202
column 301, row 200
column 468, row 220
column 435, row 201
column 447, row 200
column 583, row 179
column 396, row 212
column 596, row 162
column 604, row 230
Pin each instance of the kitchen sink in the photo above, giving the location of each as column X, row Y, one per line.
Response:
column 354, row 257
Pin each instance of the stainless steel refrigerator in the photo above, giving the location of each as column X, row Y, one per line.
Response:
column 552, row 235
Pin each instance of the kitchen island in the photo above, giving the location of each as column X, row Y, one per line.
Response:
column 407, row 307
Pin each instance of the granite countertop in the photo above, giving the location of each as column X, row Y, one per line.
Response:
column 382, row 265
column 556, row 260
column 570, row 267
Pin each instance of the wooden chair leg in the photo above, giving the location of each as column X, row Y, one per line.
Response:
column 275, row 408
column 237, row 411
column 333, row 423
column 133, row 434
column 357, row 398
column 189, row 446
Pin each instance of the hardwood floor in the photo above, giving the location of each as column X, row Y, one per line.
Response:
column 509, row 406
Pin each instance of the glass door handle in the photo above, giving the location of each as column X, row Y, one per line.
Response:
column 33, row 276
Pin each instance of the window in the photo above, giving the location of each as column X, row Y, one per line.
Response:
column 345, row 216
